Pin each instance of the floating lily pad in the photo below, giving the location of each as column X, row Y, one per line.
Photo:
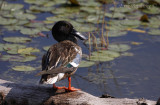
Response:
column 5, row 21
column 115, row 33
column 16, row 58
column 130, row 22
column 17, row 39
column 119, row 47
column 23, row 68
column 28, row 58
column 86, row 28
column 153, row 10
column 11, row 7
column 121, row 9
column 90, row 3
column 23, row 16
column 154, row 32
column 153, row 22
column 13, row 48
column 28, row 50
column 89, row 10
column 46, row 48
column 11, row 58
column 115, row 15
column 104, row 55
column 41, row 9
column 86, row 63
column 29, row 31
column 36, row 2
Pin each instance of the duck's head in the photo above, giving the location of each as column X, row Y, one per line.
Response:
column 64, row 30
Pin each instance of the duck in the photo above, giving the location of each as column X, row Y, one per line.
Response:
column 63, row 58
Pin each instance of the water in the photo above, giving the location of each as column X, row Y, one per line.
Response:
column 128, row 76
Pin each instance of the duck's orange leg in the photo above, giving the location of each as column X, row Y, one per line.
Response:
column 56, row 87
column 69, row 86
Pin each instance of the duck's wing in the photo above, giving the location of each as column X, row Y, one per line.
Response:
column 60, row 59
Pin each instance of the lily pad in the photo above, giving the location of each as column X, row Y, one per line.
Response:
column 36, row 2
column 11, row 7
column 104, row 55
column 90, row 10
column 130, row 22
column 23, row 68
column 154, row 32
column 23, row 16
column 16, row 58
column 86, row 28
column 115, row 15
column 86, row 63
column 29, row 31
column 41, row 9
column 121, row 9
column 119, row 47
column 28, row 58
column 28, row 50
column 153, row 10
column 5, row 21
column 11, row 58
column 17, row 39
column 13, row 48
column 46, row 48
column 115, row 33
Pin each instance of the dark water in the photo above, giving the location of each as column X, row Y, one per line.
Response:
column 132, row 76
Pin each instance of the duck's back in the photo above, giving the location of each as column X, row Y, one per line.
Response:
column 63, row 54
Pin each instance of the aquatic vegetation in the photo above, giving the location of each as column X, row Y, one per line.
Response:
column 23, row 68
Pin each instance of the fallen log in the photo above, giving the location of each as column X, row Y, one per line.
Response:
column 18, row 94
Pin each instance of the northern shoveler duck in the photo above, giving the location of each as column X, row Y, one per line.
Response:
column 62, row 59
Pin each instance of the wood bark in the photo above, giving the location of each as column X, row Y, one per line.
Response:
column 18, row 94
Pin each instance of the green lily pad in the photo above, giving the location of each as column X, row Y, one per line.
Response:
column 86, row 29
column 90, row 10
column 12, row 48
column 153, row 10
column 119, row 47
column 23, row 68
column 28, row 58
column 16, row 58
column 28, row 50
column 86, row 63
column 154, row 32
column 41, row 9
column 46, row 48
column 11, row 58
column 153, row 22
column 36, row 2
column 115, row 33
column 130, row 22
column 121, row 9
column 90, row 3
column 104, row 55
column 29, row 31
column 11, row 7
column 23, row 16
column 5, row 21
column 115, row 15
column 17, row 39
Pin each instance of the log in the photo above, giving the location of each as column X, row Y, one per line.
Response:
column 20, row 94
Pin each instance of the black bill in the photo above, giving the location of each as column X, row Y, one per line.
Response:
column 78, row 35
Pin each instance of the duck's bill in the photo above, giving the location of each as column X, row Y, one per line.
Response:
column 78, row 35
